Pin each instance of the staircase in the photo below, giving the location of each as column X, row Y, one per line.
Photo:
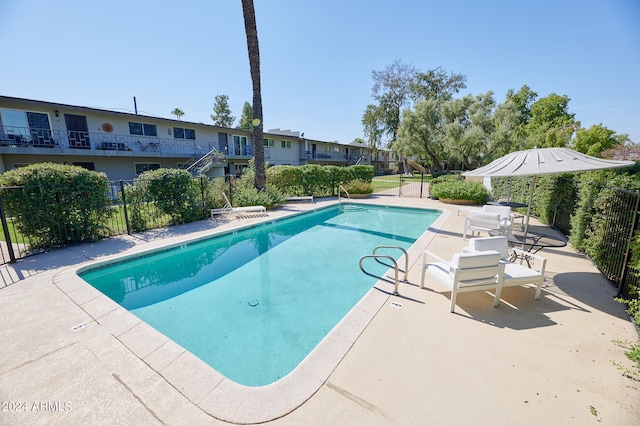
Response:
column 201, row 164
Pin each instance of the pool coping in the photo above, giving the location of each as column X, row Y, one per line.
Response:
column 205, row 387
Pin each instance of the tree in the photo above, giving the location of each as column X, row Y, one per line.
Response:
column 597, row 139
column 523, row 99
column 253, row 50
column 397, row 89
column 391, row 89
column 178, row 113
column 420, row 134
column 222, row 116
column 437, row 84
column 245, row 120
column 508, row 134
column 551, row 124
column 467, row 128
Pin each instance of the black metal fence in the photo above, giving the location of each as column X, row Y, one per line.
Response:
column 28, row 232
column 399, row 185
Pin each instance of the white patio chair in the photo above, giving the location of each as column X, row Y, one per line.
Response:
column 465, row 272
column 506, row 215
column 515, row 274
column 480, row 221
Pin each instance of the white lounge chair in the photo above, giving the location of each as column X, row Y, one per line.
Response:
column 300, row 199
column 515, row 274
column 465, row 272
column 227, row 208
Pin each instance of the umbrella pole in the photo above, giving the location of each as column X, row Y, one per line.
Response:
column 526, row 225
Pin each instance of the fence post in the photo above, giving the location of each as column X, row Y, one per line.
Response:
column 7, row 236
column 400, row 186
column 202, row 193
column 421, row 183
column 124, row 206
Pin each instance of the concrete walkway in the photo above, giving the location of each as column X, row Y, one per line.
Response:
column 526, row 362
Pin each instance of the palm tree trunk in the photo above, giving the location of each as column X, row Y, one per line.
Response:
column 251, row 30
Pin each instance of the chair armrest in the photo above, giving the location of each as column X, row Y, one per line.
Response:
column 427, row 252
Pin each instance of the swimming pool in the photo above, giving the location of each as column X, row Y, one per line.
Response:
column 253, row 303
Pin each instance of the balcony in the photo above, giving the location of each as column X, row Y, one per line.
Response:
column 324, row 156
column 46, row 141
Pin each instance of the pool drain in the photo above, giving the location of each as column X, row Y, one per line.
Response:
column 253, row 303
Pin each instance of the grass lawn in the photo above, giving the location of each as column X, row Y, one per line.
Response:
column 16, row 237
column 381, row 183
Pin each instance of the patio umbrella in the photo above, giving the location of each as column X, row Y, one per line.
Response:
column 543, row 161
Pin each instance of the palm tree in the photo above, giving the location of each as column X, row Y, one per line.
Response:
column 260, row 181
column 178, row 113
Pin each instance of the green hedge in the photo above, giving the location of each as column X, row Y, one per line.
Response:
column 314, row 179
column 460, row 190
column 553, row 199
column 57, row 204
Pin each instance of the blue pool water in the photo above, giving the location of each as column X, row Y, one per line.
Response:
column 253, row 303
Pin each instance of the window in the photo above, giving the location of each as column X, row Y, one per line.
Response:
column 181, row 133
column 150, row 130
column 27, row 127
column 269, row 142
column 286, row 144
column 143, row 167
column 239, row 145
column 143, row 129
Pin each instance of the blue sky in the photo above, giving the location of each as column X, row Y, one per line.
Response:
column 317, row 57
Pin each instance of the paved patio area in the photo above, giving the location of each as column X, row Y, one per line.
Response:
column 412, row 362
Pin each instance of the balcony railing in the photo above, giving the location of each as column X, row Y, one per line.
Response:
column 324, row 155
column 61, row 140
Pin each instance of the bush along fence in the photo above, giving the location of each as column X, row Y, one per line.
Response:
column 51, row 205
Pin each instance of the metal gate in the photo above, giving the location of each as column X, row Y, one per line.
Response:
column 402, row 186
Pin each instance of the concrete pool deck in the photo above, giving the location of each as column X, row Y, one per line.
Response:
column 413, row 362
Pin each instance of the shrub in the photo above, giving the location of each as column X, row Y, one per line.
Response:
column 58, row 203
column 245, row 193
column 175, row 192
column 358, row 186
column 440, row 179
column 316, row 180
column 461, row 190
column 286, row 178
column 250, row 196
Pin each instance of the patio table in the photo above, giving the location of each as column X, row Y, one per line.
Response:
column 532, row 243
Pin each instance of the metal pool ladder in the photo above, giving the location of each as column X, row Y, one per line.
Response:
column 340, row 189
column 377, row 257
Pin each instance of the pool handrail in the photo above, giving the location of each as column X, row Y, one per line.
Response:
column 383, row 256
column 406, row 258
column 341, row 188
column 395, row 264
